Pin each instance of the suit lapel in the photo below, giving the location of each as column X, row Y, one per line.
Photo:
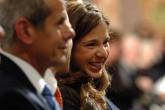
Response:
column 11, row 69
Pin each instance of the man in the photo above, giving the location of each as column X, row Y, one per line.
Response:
column 36, row 38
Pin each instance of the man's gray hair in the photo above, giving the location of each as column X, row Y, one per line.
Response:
column 35, row 11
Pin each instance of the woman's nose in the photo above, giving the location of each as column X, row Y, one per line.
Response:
column 103, row 52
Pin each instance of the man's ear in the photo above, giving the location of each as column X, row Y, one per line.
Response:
column 24, row 32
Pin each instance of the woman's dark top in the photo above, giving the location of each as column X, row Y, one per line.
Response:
column 71, row 98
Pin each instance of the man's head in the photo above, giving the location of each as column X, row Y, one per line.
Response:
column 35, row 11
column 37, row 29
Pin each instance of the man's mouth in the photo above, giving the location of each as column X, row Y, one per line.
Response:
column 63, row 49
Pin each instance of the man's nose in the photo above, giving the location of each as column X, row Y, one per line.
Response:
column 68, row 32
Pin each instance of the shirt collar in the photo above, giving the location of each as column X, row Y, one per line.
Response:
column 30, row 72
column 51, row 80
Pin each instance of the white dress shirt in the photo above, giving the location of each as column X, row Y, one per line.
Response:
column 159, row 86
column 51, row 80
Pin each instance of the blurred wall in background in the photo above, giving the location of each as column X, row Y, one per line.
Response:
column 125, row 15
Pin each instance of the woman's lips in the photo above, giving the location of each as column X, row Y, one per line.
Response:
column 96, row 66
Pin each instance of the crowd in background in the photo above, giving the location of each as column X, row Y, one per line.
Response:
column 137, row 62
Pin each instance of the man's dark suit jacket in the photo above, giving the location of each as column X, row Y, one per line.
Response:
column 16, row 91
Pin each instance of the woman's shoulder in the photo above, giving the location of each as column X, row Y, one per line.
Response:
column 68, row 90
column 110, row 105
column 71, row 97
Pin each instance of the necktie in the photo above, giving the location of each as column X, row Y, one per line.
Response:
column 58, row 97
column 47, row 94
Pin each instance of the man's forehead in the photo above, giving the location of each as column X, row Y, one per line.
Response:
column 56, row 5
column 55, row 1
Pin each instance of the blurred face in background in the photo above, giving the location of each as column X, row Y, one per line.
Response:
column 91, row 51
column 130, row 47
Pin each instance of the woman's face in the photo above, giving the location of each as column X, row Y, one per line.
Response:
column 91, row 52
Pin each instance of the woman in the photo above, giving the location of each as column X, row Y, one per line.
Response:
column 85, row 85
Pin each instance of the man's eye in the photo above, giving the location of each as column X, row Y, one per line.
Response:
column 61, row 21
column 60, row 24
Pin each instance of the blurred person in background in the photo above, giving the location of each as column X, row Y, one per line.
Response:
column 157, row 70
column 123, row 87
column 158, row 73
column 153, row 41
column 113, row 61
column 151, row 66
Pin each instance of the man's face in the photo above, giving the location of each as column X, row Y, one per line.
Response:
column 51, row 42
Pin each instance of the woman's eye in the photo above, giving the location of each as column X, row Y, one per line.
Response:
column 106, row 42
column 91, row 44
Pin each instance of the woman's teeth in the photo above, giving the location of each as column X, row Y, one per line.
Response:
column 96, row 64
